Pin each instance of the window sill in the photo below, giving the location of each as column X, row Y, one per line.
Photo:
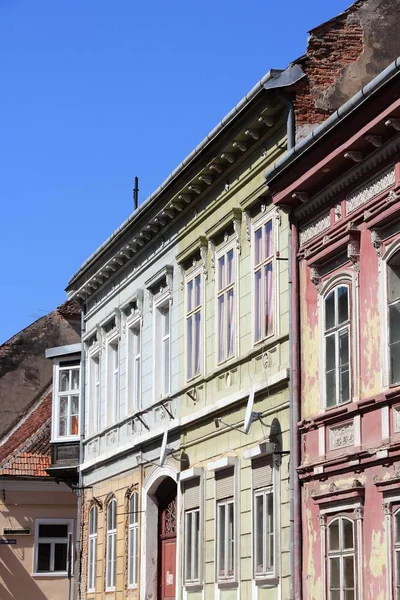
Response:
column 66, row 439
column 227, row 584
column 267, row 581
column 193, row 587
column 51, row 574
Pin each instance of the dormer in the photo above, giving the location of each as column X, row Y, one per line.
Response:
column 66, row 411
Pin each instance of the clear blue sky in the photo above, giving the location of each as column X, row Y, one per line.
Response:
column 94, row 92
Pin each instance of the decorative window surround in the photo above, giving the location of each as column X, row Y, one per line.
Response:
column 133, row 308
column 198, row 247
column 111, row 542
column 106, row 323
column 46, row 562
column 226, row 302
column 191, row 473
column 370, row 189
column 194, row 322
column 314, row 228
column 160, row 284
column 341, row 436
column 263, row 449
column 233, row 218
column 222, row 463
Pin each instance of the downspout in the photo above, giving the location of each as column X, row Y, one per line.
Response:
column 294, row 408
column 290, row 121
column 79, row 520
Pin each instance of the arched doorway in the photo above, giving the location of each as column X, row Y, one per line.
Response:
column 166, row 498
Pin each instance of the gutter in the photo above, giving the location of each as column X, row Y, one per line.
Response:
column 244, row 102
column 341, row 113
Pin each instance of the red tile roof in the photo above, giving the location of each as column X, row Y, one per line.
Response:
column 27, row 452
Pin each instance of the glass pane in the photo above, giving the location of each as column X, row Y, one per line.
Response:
column 166, row 321
column 53, row 530
column 394, row 280
column 221, row 328
column 133, row 509
column 190, row 296
column 348, row 539
column 63, row 406
column 62, row 426
column 344, row 373
column 230, row 332
column 397, row 528
column 230, row 275
column 196, row 544
column 231, row 541
column 258, row 245
column 43, row 558
column 197, row 324
column 189, row 347
column 348, row 571
column 64, row 381
column 331, row 388
column 334, row 595
column 189, row 564
column 330, row 352
column 221, row 540
column 109, row 560
column 330, row 310
column 131, row 556
column 111, row 516
column 136, row 341
column 93, row 521
column 334, row 573
column 349, row 595
column 395, row 363
column 398, row 573
column 60, row 557
column 344, row 347
column 343, row 304
column 221, row 273
column 166, row 368
column 259, row 529
column 394, row 323
column 74, row 405
column 333, row 539
column 75, row 379
column 268, row 239
column 269, row 309
column 197, row 287
column 270, row 529
column 257, row 317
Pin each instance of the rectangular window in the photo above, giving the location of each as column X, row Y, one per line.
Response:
column 263, row 517
column 193, row 324
column 94, row 400
column 337, row 346
column 111, row 540
column 225, row 526
column 394, row 317
column 341, row 559
column 263, row 281
column 68, row 401
column 192, row 541
column 51, row 546
column 113, row 382
column 133, row 540
column 92, row 549
column 162, row 351
column 134, row 367
column 226, row 297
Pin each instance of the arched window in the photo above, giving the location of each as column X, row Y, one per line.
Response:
column 133, row 539
column 341, row 559
column 92, row 549
column 111, row 558
column 337, row 346
column 394, row 317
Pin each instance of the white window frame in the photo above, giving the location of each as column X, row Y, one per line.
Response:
column 268, row 557
column 341, row 554
column 260, row 221
column 395, row 249
column 92, row 548
column 52, row 541
column 160, row 303
column 134, row 364
column 191, row 275
column 391, row 508
column 223, row 252
column 94, row 391
column 111, row 536
column 226, row 503
column 185, row 477
column 189, row 553
column 112, row 379
column 57, row 369
column 133, row 546
column 336, row 331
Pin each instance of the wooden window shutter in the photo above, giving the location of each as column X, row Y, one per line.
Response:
column 191, row 493
column 225, row 483
column 262, row 471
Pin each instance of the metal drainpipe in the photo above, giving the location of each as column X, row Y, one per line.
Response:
column 78, row 561
column 295, row 500
column 290, row 121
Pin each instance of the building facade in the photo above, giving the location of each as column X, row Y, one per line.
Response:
column 343, row 185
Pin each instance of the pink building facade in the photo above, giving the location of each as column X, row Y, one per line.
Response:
column 342, row 188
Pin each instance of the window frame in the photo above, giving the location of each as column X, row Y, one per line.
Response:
column 134, row 372
column 190, row 275
column 92, row 549
column 111, row 533
column 161, row 302
column 259, row 222
column 223, row 250
column 189, row 553
column 341, row 554
column 394, row 251
column 226, row 503
column 113, row 373
column 94, row 357
column 57, row 369
column 266, row 573
column 338, row 283
column 133, row 528
column 52, row 541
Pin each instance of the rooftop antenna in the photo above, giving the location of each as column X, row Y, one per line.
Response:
column 136, row 194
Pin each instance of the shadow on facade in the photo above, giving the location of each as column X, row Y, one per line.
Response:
column 15, row 581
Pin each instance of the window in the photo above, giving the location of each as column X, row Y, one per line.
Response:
column 134, row 366
column 92, row 549
column 68, row 400
column 51, row 546
column 191, row 500
column 225, row 543
column 113, row 382
column 94, row 403
column 193, row 324
column 397, row 554
column 394, row 317
column 162, row 351
column 263, row 517
column 341, row 559
column 111, row 557
column 337, row 346
column 263, row 281
column 133, row 539
column 226, row 277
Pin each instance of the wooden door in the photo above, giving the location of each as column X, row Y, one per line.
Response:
column 167, row 549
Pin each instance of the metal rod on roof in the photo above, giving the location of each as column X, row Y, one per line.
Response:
column 136, row 194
